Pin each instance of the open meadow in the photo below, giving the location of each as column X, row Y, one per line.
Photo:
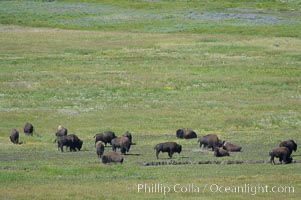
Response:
column 149, row 67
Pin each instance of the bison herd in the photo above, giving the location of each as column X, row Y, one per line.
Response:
column 220, row 147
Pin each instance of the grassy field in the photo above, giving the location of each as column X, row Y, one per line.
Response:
column 149, row 67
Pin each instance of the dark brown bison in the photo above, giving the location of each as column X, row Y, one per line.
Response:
column 220, row 152
column 210, row 141
column 70, row 141
column 129, row 135
column 121, row 142
column 231, row 147
column 282, row 153
column 290, row 144
column 100, row 148
column 112, row 157
column 14, row 136
column 169, row 147
column 61, row 131
column 28, row 128
column 105, row 137
column 186, row 133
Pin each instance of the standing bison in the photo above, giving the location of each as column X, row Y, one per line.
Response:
column 231, row 147
column 186, row 133
column 210, row 141
column 100, row 148
column 14, row 136
column 282, row 153
column 112, row 157
column 105, row 137
column 123, row 143
column 28, row 128
column 70, row 141
column 290, row 144
column 169, row 147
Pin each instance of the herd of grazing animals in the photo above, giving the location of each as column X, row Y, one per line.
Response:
column 219, row 147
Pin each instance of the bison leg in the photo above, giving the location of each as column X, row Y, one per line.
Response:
column 272, row 160
column 170, row 153
column 157, row 154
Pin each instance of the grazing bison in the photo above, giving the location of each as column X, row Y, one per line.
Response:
column 210, row 141
column 61, row 131
column 290, row 144
column 14, row 136
column 28, row 128
column 121, row 142
column 186, row 133
column 169, row 147
column 71, row 141
column 220, row 152
column 112, row 157
column 282, row 153
column 231, row 147
column 105, row 137
column 100, row 148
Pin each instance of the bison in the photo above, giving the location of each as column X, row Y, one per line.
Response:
column 121, row 142
column 100, row 148
column 290, row 144
column 71, row 141
column 185, row 133
column 210, row 141
column 105, row 137
column 169, row 147
column 282, row 153
column 129, row 135
column 14, row 136
column 61, row 131
column 231, row 147
column 28, row 128
column 112, row 157
column 220, row 152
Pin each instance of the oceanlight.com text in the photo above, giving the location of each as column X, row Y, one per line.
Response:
column 248, row 189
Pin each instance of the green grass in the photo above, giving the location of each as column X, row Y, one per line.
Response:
column 149, row 68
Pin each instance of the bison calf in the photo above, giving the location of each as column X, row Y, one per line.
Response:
column 186, row 133
column 14, row 136
column 169, row 147
column 61, row 131
column 112, row 157
column 282, row 153
column 100, row 148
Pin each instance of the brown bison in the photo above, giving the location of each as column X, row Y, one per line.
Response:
column 169, row 147
column 28, row 128
column 282, row 153
column 105, row 137
column 290, row 144
column 61, row 131
column 210, row 141
column 70, row 141
column 185, row 133
column 112, row 157
column 220, row 152
column 121, row 142
column 14, row 136
column 231, row 147
column 100, row 148
column 129, row 135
